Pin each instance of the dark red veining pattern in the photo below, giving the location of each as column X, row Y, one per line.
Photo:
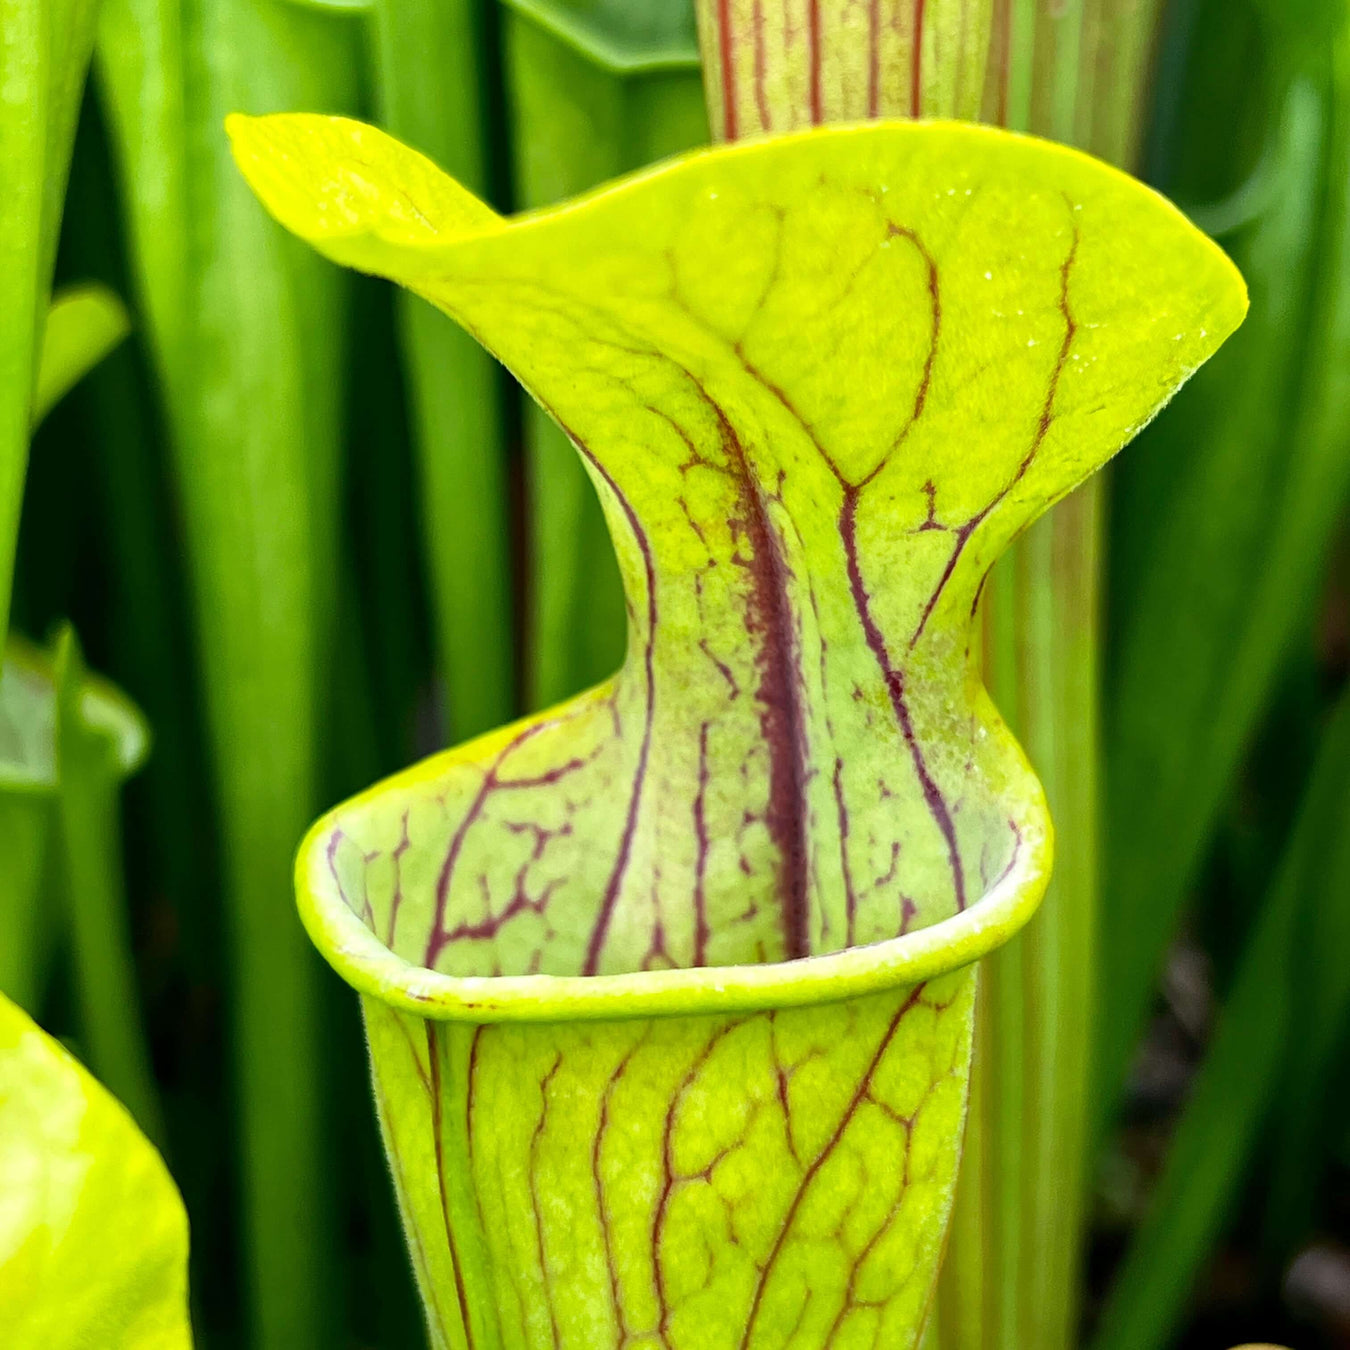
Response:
column 403, row 845
column 873, row 58
column 534, row 1192
column 492, row 782
column 850, row 1111
column 761, row 72
column 963, row 532
column 685, row 1099
column 669, row 1177
column 916, row 63
column 815, row 41
column 470, row 1088
column 892, row 676
column 894, row 231
column 770, row 620
column 335, row 842
column 852, row 1301
column 728, row 70
column 437, row 1133
column 850, row 892
column 702, row 931
column 602, row 1208
column 781, row 1080
column 615, row 884
column 879, row 101
column 755, row 518
column 894, row 679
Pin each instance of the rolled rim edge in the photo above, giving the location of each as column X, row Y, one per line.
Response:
column 373, row 970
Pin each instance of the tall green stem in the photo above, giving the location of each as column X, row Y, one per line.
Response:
column 90, row 772
column 247, row 332
column 1076, row 72
column 44, row 54
column 1029, row 1129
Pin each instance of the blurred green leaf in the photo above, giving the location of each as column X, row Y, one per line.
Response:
column 1209, row 1158
column 44, row 53
column 622, row 36
column 29, row 779
column 93, row 1234
column 27, row 719
column 84, row 324
column 248, row 334
column 1305, row 1103
column 431, row 65
column 91, row 753
column 1223, row 522
column 336, row 6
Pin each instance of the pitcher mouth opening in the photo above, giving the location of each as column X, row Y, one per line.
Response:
column 349, row 942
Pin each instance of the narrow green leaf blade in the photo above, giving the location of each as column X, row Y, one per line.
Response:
column 248, row 332
column 1208, row 1159
column 43, row 60
column 29, row 788
column 93, row 1234
column 89, row 769
column 431, row 57
column 1227, row 518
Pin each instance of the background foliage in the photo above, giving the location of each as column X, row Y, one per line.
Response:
column 314, row 534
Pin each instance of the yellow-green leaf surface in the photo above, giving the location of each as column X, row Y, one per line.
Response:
column 819, row 383
column 84, row 324
column 93, row 1234
column 580, row 117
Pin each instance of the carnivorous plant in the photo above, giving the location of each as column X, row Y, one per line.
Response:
column 670, row 988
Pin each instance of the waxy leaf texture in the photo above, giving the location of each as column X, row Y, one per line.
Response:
column 93, row 1234
column 703, row 933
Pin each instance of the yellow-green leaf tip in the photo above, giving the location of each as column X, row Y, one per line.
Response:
column 328, row 180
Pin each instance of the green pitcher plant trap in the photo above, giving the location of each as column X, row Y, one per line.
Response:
column 670, row 989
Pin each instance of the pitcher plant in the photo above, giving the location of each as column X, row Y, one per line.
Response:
column 669, row 989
